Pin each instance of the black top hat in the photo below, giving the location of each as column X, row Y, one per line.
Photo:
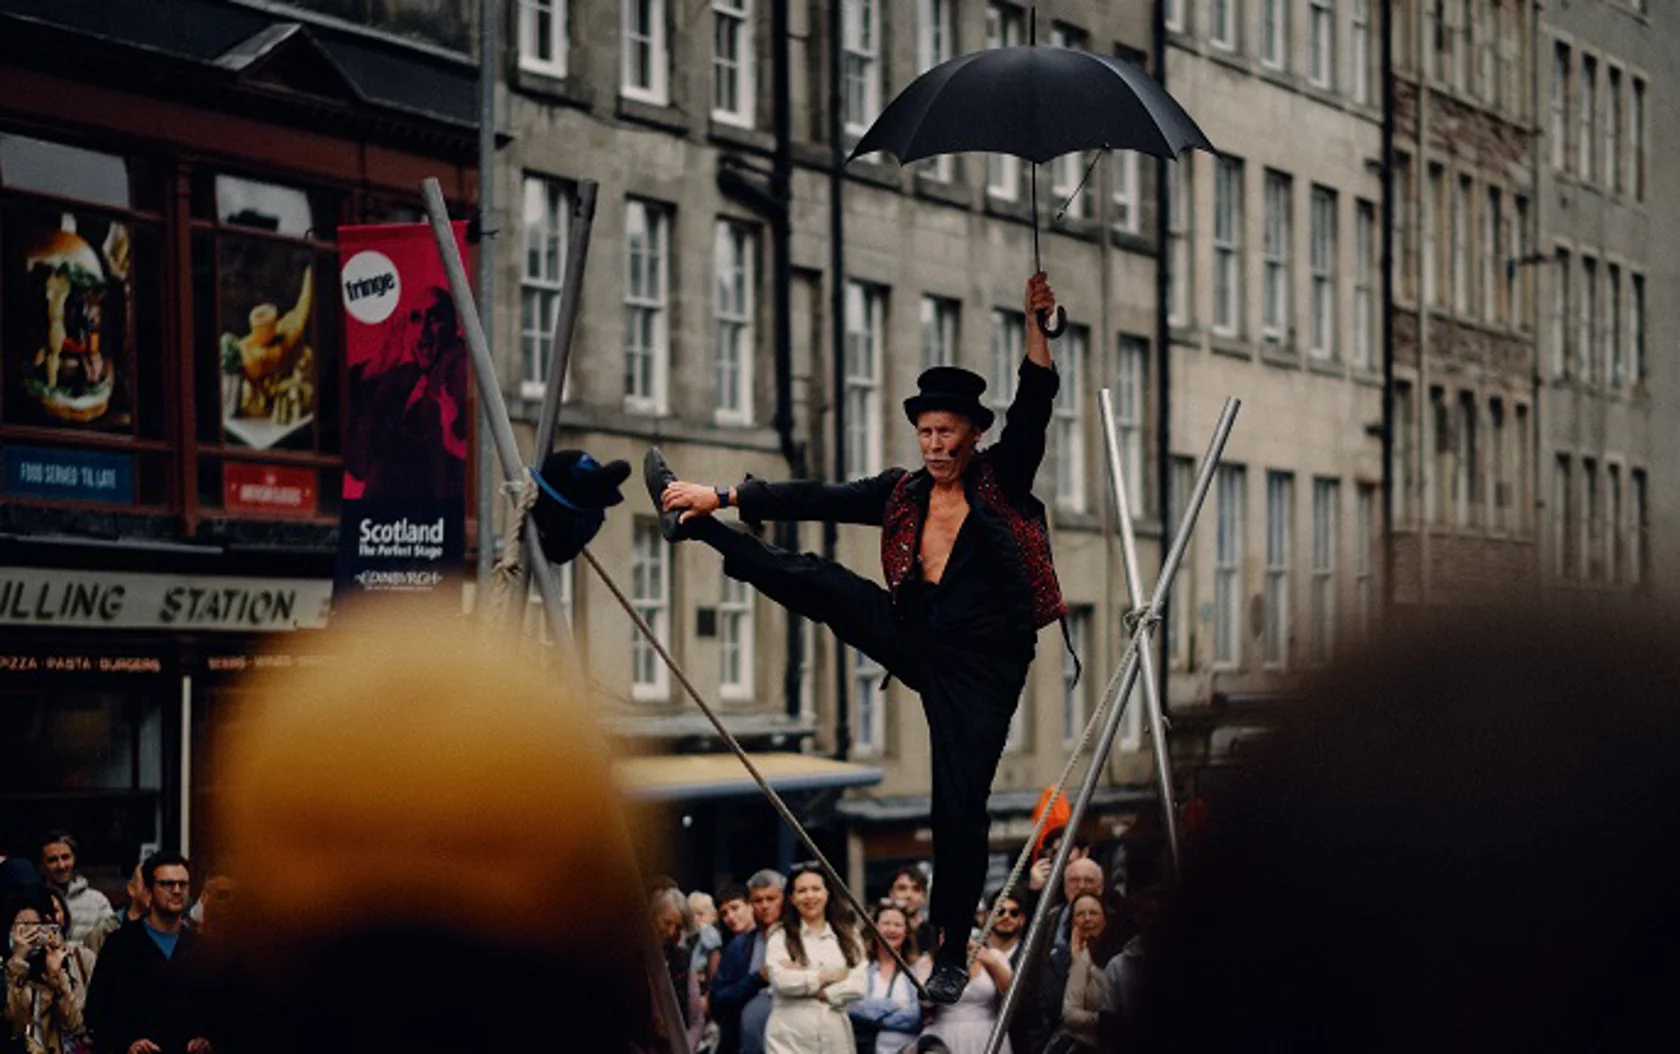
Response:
column 950, row 388
column 581, row 482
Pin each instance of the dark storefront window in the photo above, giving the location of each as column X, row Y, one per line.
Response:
column 88, row 758
column 83, row 412
column 217, row 711
column 265, row 347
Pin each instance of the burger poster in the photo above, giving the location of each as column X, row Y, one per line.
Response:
column 267, row 353
column 403, row 526
column 69, row 325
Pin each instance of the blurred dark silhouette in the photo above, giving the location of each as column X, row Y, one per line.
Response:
column 1462, row 840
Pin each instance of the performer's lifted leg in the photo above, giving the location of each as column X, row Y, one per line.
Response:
column 966, row 556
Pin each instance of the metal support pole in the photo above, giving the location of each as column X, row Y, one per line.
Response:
column 1146, row 629
column 1128, row 676
column 560, row 355
column 513, row 471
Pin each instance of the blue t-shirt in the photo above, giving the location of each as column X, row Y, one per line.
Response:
column 165, row 941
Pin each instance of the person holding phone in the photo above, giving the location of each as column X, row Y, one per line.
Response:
column 46, row 980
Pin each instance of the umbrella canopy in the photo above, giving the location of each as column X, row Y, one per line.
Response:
column 1036, row 103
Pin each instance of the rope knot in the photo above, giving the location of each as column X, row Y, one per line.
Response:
column 1137, row 617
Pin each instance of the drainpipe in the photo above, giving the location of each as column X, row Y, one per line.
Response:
column 1163, row 342
column 488, row 469
column 1386, row 22
column 1422, row 416
column 837, row 322
column 1536, row 253
column 781, row 187
column 776, row 204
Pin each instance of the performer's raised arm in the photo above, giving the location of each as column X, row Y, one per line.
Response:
column 1020, row 449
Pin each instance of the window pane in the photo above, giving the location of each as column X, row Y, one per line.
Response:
column 281, row 210
column 63, row 171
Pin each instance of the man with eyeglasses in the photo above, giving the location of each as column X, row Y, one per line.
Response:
column 1006, row 931
column 143, row 999
column 1026, row 1032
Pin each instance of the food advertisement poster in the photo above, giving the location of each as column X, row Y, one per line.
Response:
column 403, row 526
column 267, row 354
column 69, row 320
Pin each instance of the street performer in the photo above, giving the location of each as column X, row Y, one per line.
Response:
column 966, row 555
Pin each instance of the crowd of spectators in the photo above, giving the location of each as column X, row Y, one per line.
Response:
column 85, row 978
column 780, row 966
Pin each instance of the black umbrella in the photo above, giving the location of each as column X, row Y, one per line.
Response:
column 1036, row 103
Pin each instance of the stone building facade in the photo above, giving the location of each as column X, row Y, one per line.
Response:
column 1277, row 302
column 1465, row 527
column 1272, row 253
column 1605, row 388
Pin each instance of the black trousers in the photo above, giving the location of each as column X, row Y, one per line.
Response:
column 969, row 696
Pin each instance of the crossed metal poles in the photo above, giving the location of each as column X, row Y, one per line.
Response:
column 516, row 474
column 1139, row 658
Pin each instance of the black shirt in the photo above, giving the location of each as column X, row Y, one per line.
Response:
column 969, row 605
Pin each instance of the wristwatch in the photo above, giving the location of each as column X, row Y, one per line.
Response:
column 722, row 496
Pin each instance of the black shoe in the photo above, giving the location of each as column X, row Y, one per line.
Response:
column 947, row 983
column 658, row 475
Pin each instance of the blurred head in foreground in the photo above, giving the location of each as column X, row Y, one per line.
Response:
column 1464, row 840
column 429, row 850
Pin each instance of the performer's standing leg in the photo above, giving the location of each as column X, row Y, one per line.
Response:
column 969, row 700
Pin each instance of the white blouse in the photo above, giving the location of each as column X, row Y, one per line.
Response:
column 801, row 1021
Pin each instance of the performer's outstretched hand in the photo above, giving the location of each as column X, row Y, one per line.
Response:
column 695, row 499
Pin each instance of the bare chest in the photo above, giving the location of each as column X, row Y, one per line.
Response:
column 945, row 517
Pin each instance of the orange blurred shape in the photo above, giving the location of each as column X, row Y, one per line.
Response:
column 1060, row 814
column 429, row 775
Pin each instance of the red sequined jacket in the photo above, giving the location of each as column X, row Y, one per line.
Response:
column 999, row 488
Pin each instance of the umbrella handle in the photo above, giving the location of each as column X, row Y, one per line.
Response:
column 1059, row 328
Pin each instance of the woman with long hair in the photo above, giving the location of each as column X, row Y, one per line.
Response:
column 1094, row 941
column 816, row 967
column 889, row 1015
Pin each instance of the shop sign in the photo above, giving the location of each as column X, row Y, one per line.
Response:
column 268, row 488
column 63, row 660
column 127, row 600
column 76, row 475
